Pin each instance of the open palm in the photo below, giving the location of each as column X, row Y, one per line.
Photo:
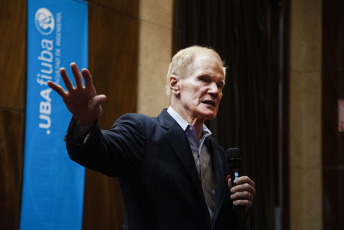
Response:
column 82, row 101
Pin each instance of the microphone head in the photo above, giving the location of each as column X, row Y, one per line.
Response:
column 233, row 158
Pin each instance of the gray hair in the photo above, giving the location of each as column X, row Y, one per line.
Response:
column 181, row 64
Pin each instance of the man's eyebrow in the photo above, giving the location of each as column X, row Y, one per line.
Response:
column 204, row 76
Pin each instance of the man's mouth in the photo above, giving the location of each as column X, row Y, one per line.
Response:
column 209, row 102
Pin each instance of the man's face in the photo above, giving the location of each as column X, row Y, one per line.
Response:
column 201, row 92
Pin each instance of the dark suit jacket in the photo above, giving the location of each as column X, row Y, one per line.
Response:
column 157, row 173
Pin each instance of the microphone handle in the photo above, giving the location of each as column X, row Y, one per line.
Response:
column 234, row 173
column 239, row 211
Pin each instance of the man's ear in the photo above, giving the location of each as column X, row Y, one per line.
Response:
column 174, row 86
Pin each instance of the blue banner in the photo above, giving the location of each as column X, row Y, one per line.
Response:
column 53, row 185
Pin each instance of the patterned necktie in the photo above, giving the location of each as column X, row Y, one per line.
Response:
column 203, row 163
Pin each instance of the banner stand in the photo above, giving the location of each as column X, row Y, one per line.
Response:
column 53, row 185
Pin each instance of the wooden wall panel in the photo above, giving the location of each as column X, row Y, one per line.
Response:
column 121, row 6
column 12, row 109
column 113, row 49
column 13, row 53
column 11, row 167
column 113, row 57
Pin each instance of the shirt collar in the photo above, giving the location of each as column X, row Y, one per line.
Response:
column 183, row 123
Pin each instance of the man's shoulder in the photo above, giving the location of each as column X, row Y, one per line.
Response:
column 133, row 116
column 140, row 119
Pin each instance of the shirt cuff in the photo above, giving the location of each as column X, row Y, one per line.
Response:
column 78, row 133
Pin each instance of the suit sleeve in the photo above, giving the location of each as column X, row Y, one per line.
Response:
column 115, row 152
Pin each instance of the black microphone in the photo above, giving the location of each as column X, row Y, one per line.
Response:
column 233, row 159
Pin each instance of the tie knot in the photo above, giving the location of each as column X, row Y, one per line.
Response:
column 192, row 136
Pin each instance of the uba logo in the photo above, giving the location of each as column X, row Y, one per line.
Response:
column 44, row 21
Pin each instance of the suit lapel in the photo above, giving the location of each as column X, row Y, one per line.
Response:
column 219, row 170
column 179, row 143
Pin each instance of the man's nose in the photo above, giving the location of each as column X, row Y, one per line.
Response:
column 213, row 88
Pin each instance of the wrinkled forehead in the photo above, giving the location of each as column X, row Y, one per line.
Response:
column 208, row 59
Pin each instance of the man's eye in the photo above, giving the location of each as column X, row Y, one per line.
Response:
column 220, row 85
column 204, row 79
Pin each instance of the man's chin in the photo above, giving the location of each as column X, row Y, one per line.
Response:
column 208, row 115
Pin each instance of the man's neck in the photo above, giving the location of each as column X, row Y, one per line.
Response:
column 198, row 128
column 195, row 122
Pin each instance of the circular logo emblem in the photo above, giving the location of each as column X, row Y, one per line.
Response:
column 44, row 21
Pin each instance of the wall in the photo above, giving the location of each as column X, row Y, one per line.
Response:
column 128, row 41
column 12, row 108
column 155, row 53
column 305, row 115
column 113, row 60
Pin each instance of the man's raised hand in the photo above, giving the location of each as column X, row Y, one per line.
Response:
column 82, row 101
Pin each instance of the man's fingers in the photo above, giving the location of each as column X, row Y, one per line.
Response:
column 88, row 78
column 229, row 183
column 244, row 180
column 242, row 195
column 243, row 192
column 242, row 198
column 246, row 203
column 97, row 100
column 77, row 75
column 58, row 89
column 66, row 80
column 244, row 187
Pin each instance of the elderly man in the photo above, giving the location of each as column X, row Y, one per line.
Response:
column 170, row 169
